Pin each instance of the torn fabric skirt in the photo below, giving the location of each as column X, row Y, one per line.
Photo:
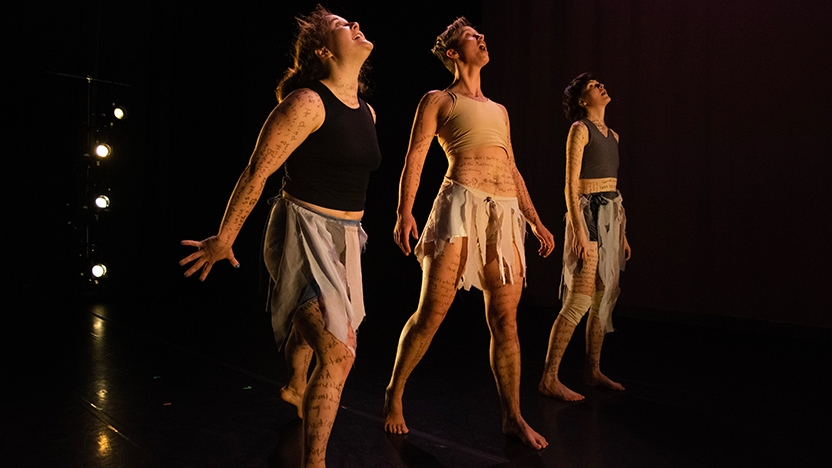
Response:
column 604, row 212
column 308, row 255
column 485, row 219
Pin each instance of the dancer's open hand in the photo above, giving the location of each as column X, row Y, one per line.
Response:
column 209, row 252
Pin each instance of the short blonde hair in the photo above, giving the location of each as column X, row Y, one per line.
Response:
column 447, row 40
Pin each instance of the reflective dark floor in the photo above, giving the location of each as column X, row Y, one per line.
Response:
column 162, row 381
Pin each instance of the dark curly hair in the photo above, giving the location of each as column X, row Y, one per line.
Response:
column 447, row 40
column 308, row 67
column 572, row 96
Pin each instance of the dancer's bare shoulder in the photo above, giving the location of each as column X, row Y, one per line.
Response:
column 579, row 127
column 436, row 102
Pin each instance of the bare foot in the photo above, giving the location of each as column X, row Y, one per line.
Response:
column 558, row 390
column 597, row 378
column 292, row 397
column 393, row 415
column 518, row 427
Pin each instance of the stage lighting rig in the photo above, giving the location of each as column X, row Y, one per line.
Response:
column 90, row 204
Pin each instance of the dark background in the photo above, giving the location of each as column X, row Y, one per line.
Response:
column 722, row 108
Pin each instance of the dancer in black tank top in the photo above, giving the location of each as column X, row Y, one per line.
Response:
column 319, row 94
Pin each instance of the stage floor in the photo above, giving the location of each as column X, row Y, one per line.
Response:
column 152, row 380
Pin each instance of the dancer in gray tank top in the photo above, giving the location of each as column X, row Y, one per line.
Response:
column 595, row 246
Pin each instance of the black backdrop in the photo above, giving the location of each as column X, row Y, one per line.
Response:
column 722, row 110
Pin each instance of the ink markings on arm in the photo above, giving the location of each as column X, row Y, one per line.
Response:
column 286, row 128
column 524, row 200
column 575, row 143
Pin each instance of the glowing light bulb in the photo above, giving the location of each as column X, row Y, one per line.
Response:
column 99, row 270
column 102, row 150
column 102, row 201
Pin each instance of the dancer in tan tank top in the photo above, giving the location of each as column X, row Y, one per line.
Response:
column 474, row 235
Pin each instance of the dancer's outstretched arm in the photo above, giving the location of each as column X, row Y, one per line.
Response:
column 288, row 125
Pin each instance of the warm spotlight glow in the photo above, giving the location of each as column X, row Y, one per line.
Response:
column 102, row 201
column 102, row 150
column 99, row 270
column 104, row 447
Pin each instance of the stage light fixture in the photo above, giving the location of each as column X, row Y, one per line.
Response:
column 102, row 150
column 99, row 270
column 102, row 201
column 119, row 112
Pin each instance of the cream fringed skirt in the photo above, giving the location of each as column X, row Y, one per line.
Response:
column 485, row 219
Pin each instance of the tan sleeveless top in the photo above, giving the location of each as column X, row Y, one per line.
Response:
column 472, row 124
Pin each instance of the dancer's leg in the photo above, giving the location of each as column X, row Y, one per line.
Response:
column 594, row 341
column 575, row 305
column 298, row 356
column 501, row 302
column 440, row 276
column 323, row 393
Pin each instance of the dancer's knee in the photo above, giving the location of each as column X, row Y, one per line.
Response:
column 338, row 360
column 429, row 317
column 575, row 307
column 503, row 330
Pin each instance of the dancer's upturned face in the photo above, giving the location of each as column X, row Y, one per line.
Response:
column 471, row 46
column 595, row 94
column 345, row 39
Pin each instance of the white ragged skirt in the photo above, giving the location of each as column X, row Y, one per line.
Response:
column 311, row 255
column 485, row 219
column 612, row 223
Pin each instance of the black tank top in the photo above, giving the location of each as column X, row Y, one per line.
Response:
column 600, row 154
column 331, row 168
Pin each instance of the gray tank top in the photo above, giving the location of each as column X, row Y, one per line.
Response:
column 600, row 154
